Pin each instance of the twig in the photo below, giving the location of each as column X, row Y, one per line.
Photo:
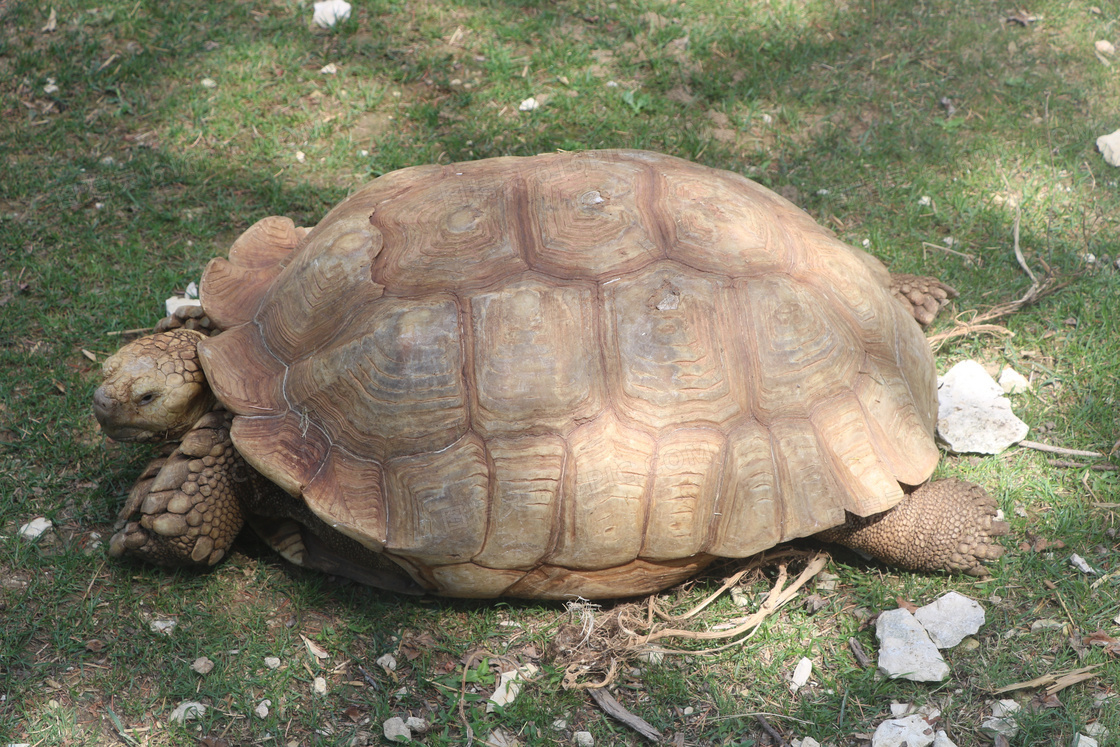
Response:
column 967, row 257
column 857, row 651
column 1054, row 682
column 774, row 733
column 1019, row 252
column 1060, row 450
column 122, row 332
column 727, row 584
column 1081, row 465
column 608, row 703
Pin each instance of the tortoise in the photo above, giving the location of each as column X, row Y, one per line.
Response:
column 570, row 374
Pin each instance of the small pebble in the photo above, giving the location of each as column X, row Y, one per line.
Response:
column 272, row 662
column 262, row 709
column 203, row 665
column 584, row 739
column 320, row 686
column 209, row 83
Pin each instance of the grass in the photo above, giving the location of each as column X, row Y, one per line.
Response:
column 898, row 124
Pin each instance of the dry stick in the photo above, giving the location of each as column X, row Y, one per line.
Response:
column 608, row 703
column 774, row 734
column 774, row 601
column 1081, row 465
column 978, row 324
column 1060, row 450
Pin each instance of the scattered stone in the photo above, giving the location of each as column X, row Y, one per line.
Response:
column 262, row 709
column 528, row 105
column 34, row 529
column 329, row 69
column 560, row 724
column 805, row 742
column 740, row 597
column 950, row 618
column 1096, row 730
column 202, row 665
column 1109, row 146
column 509, row 686
column 941, row 739
column 388, row 662
column 584, row 739
column 970, row 644
column 400, row 693
column 319, row 687
column 973, row 415
column 330, row 12
column 209, row 83
column 905, row 649
column 395, row 730
column 272, row 662
column 502, row 738
column 1047, row 624
column 1082, row 740
column 417, row 725
column 1002, row 720
column 912, row 731
column 167, row 627
column 1013, row 382
column 801, row 674
column 827, row 581
column 1079, row 563
column 1104, row 46
column 186, row 711
column 651, row 657
column 301, row 157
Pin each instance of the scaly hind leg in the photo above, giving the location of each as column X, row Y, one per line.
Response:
column 186, row 507
column 947, row 525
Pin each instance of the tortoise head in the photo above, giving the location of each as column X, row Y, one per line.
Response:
column 154, row 388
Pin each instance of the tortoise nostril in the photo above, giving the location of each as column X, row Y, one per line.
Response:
column 101, row 400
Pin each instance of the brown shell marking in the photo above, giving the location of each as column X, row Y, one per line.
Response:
column 575, row 372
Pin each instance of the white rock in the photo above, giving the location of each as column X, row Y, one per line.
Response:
column 186, row 711
column 1096, row 730
column 913, row 731
column 400, row 693
column 1046, row 624
column 1079, row 563
column 262, row 709
column 209, row 83
column 329, row 69
column 1013, row 382
column 584, row 739
column 950, row 619
column 806, row 742
column 560, row 724
column 502, row 738
column 175, row 302
column 417, row 724
column 941, row 739
column 905, row 649
column 1081, row 740
column 319, row 686
column 203, row 665
column 331, row 12
column 801, row 674
column 34, row 529
column 167, row 627
column 528, row 105
column 388, row 662
column 1109, row 146
column 395, row 730
column 972, row 414
column 509, row 686
column 1002, row 720
column 272, row 662
column 1104, row 46
column 898, row 710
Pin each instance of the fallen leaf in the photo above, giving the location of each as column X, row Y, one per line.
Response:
column 52, row 22
column 353, row 713
column 1100, row 638
column 95, row 645
column 906, row 605
column 314, row 648
column 89, row 355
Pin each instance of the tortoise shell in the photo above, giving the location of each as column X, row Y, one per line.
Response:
column 576, row 373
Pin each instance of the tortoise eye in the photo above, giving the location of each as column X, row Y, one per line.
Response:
column 146, row 399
